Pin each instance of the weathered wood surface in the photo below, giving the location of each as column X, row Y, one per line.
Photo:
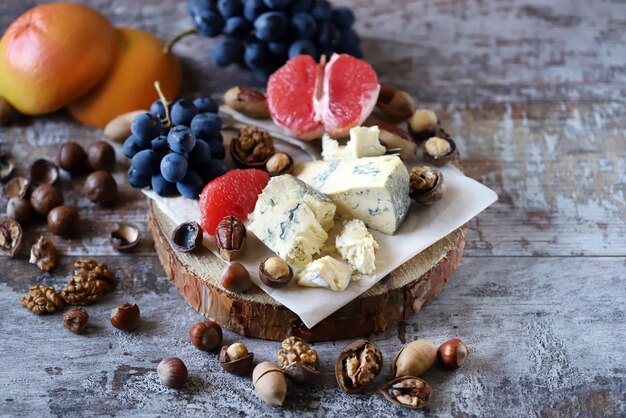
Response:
column 533, row 92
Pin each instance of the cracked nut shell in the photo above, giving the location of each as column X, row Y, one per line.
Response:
column 6, row 167
column 72, row 158
column 45, row 198
column 230, row 237
column 75, row 320
column 124, row 237
column 44, row 171
column 19, row 210
column 358, row 365
column 16, row 187
column 62, row 220
column 298, row 360
column 439, row 151
column 426, row 185
column 100, row 187
column 172, row 372
column 397, row 104
column 452, row 353
column 126, row 317
column 247, row 101
column 10, row 236
column 43, row 254
column 236, row 359
column 280, row 163
column 270, row 383
column 187, row 237
column 206, row 335
column 236, row 278
column 414, row 358
column 408, row 391
column 101, row 156
column 275, row 272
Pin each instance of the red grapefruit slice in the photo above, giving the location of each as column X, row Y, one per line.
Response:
column 290, row 93
column 235, row 193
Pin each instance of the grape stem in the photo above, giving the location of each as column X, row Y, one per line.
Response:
column 166, row 103
column 168, row 47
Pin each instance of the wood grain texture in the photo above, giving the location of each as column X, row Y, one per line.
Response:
column 533, row 93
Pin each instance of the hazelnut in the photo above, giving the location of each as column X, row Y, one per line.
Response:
column 236, row 359
column 438, row 151
column 453, row 353
column 275, row 272
column 19, row 210
column 172, row 372
column 247, row 101
column 6, row 111
column 101, row 156
column 298, row 360
column 408, row 391
column 124, row 237
column 75, row 320
column 43, row 254
column 100, row 187
column 398, row 105
column 44, row 171
column 126, row 317
column 6, row 167
column 16, row 187
column 230, row 237
column 236, row 278
column 62, row 220
column 10, row 237
column 358, row 365
column 426, row 185
column 270, row 383
column 72, row 158
column 187, row 237
column 279, row 164
column 45, row 198
column 423, row 124
column 118, row 129
column 206, row 336
column 414, row 359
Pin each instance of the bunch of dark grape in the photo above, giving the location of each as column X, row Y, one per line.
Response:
column 178, row 151
column 262, row 34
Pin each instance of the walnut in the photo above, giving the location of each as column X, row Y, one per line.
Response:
column 44, row 254
column 358, row 365
column 91, row 280
column 42, row 299
column 253, row 147
column 298, row 360
column 426, row 185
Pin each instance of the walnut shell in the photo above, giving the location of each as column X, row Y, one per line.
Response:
column 368, row 360
column 408, row 391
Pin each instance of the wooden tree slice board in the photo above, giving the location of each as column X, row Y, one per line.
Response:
column 255, row 314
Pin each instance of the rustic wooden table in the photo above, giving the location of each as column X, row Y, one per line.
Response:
column 532, row 91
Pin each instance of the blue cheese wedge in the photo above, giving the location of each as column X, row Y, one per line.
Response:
column 373, row 189
column 326, row 272
column 284, row 188
column 357, row 246
column 291, row 230
column 363, row 142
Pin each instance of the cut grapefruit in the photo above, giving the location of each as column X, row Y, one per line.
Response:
column 235, row 194
column 307, row 98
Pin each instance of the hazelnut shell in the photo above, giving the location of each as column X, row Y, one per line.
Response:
column 75, row 320
column 62, row 220
column 124, row 237
column 19, row 210
column 206, row 335
column 271, row 281
column 187, row 237
column 16, row 187
column 126, row 317
column 72, row 158
column 236, row 278
column 101, row 156
column 172, row 372
column 286, row 170
column 238, row 367
column 443, row 159
column 452, row 353
column 351, row 348
column 45, row 198
column 6, row 167
column 270, row 383
column 414, row 358
column 44, row 171
column 100, row 187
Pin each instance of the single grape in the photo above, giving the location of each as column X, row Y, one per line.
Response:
column 301, row 6
column 163, row 187
column 191, row 185
column 160, row 145
column 205, row 105
column 205, row 125
column 322, row 10
column 182, row 112
column 138, row 180
column 271, row 26
column 227, row 51
column 237, row 27
column 303, row 26
column 146, row 127
column 200, row 155
column 173, row 167
column 195, row 7
column 212, row 169
column 253, row 9
column 348, row 38
column 146, row 162
column 229, row 8
column 278, row 49
column 158, row 109
column 328, row 36
column 132, row 146
column 277, row 4
column 342, row 17
column 255, row 55
column 209, row 23
column 217, row 150
column 181, row 139
column 217, row 136
column 302, row 46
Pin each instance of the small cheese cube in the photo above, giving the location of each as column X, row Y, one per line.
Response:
column 363, row 142
column 326, row 272
column 357, row 246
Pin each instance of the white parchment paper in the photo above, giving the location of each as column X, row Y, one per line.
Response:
column 464, row 199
